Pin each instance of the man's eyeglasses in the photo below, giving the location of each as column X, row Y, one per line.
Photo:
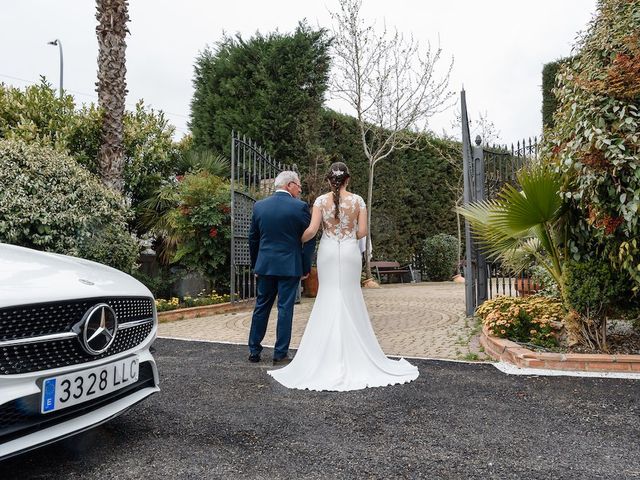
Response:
column 297, row 185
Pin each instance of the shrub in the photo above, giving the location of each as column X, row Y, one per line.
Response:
column 112, row 245
column 440, row 255
column 201, row 225
column 595, row 143
column 37, row 114
column 531, row 319
column 594, row 289
column 48, row 202
column 593, row 286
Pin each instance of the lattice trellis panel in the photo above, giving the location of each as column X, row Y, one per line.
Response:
column 242, row 224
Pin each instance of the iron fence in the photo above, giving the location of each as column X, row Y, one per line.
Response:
column 253, row 174
column 486, row 171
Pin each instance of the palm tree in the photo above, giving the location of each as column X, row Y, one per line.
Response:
column 523, row 224
column 204, row 161
column 156, row 216
column 112, row 16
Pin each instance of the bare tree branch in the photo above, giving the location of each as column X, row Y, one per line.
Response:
column 390, row 82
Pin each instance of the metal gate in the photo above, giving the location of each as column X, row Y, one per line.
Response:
column 486, row 170
column 253, row 173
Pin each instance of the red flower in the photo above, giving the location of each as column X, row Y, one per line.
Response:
column 213, row 232
column 225, row 209
column 179, row 178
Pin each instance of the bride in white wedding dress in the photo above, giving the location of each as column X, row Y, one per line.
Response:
column 339, row 350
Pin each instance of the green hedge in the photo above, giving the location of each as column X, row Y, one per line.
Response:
column 412, row 198
column 549, row 101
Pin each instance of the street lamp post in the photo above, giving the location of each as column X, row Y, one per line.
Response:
column 59, row 44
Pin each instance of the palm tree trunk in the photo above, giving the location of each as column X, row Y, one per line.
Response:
column 112, row 16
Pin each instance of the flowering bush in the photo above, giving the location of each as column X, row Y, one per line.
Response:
column 163, row 305
column 174, row 303
column 201, row 225
column 211, row 299
column 523, row 319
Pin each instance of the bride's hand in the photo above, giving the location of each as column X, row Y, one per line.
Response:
column 312, row 229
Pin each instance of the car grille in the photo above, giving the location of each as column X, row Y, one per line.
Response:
column 33, row 357
column 18, row 323
column 54, row 317
column 22, row 416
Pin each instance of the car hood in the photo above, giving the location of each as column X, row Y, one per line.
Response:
column 31, row 276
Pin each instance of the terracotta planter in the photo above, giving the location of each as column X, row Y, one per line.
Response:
column 310, row 283
column 526, row 286
column 370, row 283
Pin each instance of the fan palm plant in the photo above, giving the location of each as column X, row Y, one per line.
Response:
column 155, row 216
column 205, row 161
column 523, row 224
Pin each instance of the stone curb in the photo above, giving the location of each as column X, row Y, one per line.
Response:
column 508, row 351
column 202, row 311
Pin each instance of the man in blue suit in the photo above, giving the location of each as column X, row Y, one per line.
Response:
column 279, row 261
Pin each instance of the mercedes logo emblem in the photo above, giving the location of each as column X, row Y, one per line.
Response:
column 98, row 329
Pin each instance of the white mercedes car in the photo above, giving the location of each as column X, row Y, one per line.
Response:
column 74, row 346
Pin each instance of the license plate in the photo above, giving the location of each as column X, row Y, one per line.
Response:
column 67, row 390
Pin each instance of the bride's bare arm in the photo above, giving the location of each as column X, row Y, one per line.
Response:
column 312, row 229
column 362, row 223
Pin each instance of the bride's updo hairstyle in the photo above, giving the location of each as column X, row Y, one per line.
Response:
column 337, row 177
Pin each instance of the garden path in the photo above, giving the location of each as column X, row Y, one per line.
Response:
column 414, row 320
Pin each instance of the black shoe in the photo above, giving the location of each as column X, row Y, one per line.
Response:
column 282, row 361
column 254, row 358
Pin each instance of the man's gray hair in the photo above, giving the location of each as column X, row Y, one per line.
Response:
column 284, row 178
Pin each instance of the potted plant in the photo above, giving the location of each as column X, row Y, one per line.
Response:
column 310, row 284
column 526, row 286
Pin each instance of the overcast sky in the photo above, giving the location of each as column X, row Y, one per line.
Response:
column 499, row 46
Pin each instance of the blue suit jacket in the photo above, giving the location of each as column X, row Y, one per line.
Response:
column 275, row 248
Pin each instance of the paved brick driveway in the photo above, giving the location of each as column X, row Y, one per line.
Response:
column 414, row 320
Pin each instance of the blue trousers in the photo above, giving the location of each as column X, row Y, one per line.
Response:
column 270, row 287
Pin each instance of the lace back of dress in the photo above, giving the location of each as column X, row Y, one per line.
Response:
column 346, row 225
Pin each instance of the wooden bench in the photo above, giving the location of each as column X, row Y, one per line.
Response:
column 390, row 269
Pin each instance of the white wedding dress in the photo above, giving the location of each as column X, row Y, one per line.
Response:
column 339, row 350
